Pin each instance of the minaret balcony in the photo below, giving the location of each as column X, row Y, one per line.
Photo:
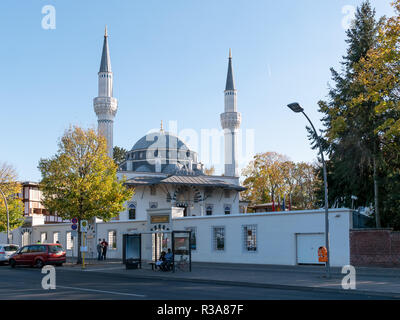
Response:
column 105, row 106
column 231, row 120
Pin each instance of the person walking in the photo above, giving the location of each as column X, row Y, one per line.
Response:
column 105, row 246
column 99, row 250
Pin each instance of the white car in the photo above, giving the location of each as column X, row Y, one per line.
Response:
column 6, row 251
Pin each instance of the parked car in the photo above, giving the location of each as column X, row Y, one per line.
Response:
column 39, row 255
column 6, row 251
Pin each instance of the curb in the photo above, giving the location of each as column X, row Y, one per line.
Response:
column 391, row 295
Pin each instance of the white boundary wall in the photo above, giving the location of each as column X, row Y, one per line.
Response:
column 276, row 235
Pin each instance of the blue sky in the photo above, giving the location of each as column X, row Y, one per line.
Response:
column 169, row 59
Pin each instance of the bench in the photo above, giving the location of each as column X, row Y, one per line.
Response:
column 154, row 267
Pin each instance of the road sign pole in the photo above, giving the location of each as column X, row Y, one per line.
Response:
column 74, row 227
column 83, row 253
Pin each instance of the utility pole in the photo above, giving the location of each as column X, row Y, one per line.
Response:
column 295, row 107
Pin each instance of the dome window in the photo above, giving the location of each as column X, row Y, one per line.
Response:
column 227, row 210
column 132, row 211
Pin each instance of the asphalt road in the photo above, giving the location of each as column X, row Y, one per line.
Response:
column 25, row 283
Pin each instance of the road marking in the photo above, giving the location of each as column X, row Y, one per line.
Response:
column 102, row 291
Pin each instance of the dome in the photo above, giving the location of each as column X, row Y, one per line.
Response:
column 161, row 152
column 143, row 168
column 159, row 139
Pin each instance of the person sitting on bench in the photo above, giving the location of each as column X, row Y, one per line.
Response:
column 168, row 260
column 161, row 261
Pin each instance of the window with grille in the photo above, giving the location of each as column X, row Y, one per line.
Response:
column 43, row 237
column 70, row 243
column 192, row 237
column 25, row 238
column 219, row 238
column 112, row 239
column 250, row 237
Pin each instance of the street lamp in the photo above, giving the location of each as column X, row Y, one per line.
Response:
column 8, row 218
column 295, row 107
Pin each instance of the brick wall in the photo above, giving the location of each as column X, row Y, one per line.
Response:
column 375, row 247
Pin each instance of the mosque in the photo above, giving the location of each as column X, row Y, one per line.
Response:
column 163, row 170
column 172, row 192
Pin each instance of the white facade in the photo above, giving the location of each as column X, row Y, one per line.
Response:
column 145, row 197
column 276, row 236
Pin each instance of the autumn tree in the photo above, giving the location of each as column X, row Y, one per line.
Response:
column 10, row 188
column 271, row 176
column 209, row 171
column 262, row 177
column 80, row 180
column 305, row 187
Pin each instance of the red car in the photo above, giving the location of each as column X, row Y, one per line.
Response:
column 39, row 255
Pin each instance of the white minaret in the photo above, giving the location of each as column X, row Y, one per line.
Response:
column 105, row 105
column 230, row 121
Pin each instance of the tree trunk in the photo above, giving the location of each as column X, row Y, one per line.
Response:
column 273, row 201
column 376, row 195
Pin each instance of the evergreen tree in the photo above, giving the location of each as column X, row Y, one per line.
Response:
column 119, row 155
column 348, row 137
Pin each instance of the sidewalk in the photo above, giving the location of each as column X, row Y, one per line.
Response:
column 71, row 262
column 371, row 281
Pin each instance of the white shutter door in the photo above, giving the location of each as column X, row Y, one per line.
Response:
column 307, row 248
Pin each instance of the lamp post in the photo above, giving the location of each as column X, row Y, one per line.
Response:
column 8, row 218
column 295, row 107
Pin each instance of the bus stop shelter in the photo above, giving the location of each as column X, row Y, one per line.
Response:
column 147, row 247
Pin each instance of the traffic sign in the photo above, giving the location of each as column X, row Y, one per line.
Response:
column 84, row 226
column 74, row 220
column 74, row 233
column 74, row 226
